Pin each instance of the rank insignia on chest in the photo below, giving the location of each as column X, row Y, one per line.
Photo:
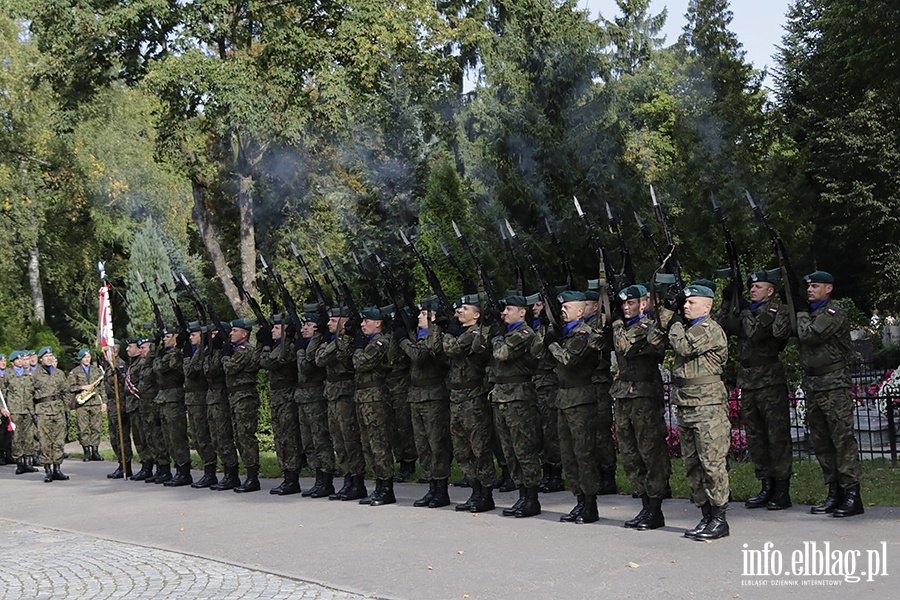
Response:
column 643, row 326
column 831, row 311
column 377, row 343
column 772, row 309
column 704, row 324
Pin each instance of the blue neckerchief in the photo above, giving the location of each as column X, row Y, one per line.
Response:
column 50, row 369
column 536, row 324
column 570, row 326
column 19, row 371
column 511, row 326
column 587, row 319
column 697, row 320
column 373, row 335
column 32, row 367
column 2, row 372
column 330, row 337
column 194, row 348
column 422, row 333
column 87, row 369
column 276, row 343
column 634, row 320
column 238, row 345
column 817, row 305
column 756, row 305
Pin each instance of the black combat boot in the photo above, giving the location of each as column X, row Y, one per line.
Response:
column 348, row 483
column 426, row 499
column 48, row 476
column 441, row 496
column 607, row 483
column 119, row 473
column 473, row 498
column 316, row 486
column 406, row 471
column 485, row 501
column 291, row 484
column 357, row 489
column 209, row 478
column 463, row 483
column 230, row 480
column 58, row 475
column 555, row 483
column 182, row 476
column 505, row 482
column 706, row 510
column 781, row 499
column 163, row 474
column 87, row 454
column 531, row 506
column 128, row 471
column 95, row 453
column 251, row 484
column 508, row 512
column 590, row 514
column 654, row 518
column 387, row 493
column 151, row 476
column 145, row 472
column 764, row 495
column 545, row 469
column 375, row 493
column 645, row 507
column 22, row 466
column 573, row 514
column 326, row 490
column 852, row 503
column 717, row 527
column 832, row 501
column 36, row 460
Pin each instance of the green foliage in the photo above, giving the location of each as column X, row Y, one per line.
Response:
column 148, row 260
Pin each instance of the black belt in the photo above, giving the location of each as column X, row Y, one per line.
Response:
column 697, row 380
column 241, row 388
column 282, row 386
column 310, row 384
column 465, row 385
column 426, row 382
column 513, row 379
column 567, row 385
column 337, row 378
column 628, row 379
column 47, row 399
column 759, row 362
column 827, row 369
column 369, row 385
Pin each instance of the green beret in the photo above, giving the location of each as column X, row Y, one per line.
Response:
column 559, row 289
column 388, row 311
column 339, row 312
column 514, row 300
column 309, row 317
column 132, row 340
column 14, row 355
column 44, row 350
column 509, row 293
column 698, row 290
column 773, row 277
column 169, row 329
column 82, row 352
column 533, row 299
column 429, row 303
column 819, row 277
column 471, row 300
column 277, row 319
column 592, row 296
column 593, row 284
column 143, row 340
column 194, row 327
column 570, row 296
column 372, row 313
column 632, row 292
column 705, row 283
column 2, row 356
column 246, row 324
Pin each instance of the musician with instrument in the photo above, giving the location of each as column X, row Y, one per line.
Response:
column 89, row 402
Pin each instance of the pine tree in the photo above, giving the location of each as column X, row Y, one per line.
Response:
column 149, row 258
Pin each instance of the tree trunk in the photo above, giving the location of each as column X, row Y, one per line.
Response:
column 248, row 233
column 210, row 235
column 34, row 280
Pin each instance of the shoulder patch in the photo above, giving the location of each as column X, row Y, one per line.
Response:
column 772, row 309
column 644, row 326
column 378, row 342
column 830, row 311
column 704, row 324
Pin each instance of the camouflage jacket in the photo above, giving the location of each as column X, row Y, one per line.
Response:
column 336, row 357
column 469, row 354
column 427, row 368
column 144, row 377
column 77, row 378
column 513, row 365
column 195, row 383
column 759, row 345
column 126, row 401
column 241, row 369
column 575, row 362
column 51, row 390
column 308, row 372
column 281, row 363
column 601, row 342
column 370, row 364
column 19, row 391
column 701, row 352
column 824, row 347
column 169, row 369
column 638, row 356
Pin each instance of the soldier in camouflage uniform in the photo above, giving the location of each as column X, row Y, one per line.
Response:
column 241, row 364
column 196, row 388
column 312, row 407
column 168, row 365
column 5, row 434
column 218, row 409
column 640, row 404
column 765, row 410
column 701, row 351
column 116, row 405
column 370, row 360
column 429, row 403
column 51, row 393
column 397, row 383
column 601, row 341
column 132, row 406
column 514, row 403
column 88, row 415
column 545, row 384
column 279, row 358
column 824, row 333
column 148, row 388
column 19, row 393
column 577, row 408
column 335, row 354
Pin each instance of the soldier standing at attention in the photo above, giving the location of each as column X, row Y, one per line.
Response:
column 701, row 351
column 372, row 405
column 577, row 406
column 601, row 341
column 115, row 375
column 196, row 388
column 132, row 405
column 87, row 415
column 824, row 333
column 280, row 360
column 169, row 369
column 514, row 403
column 218, row 410
column 546, row 384
column 19, row 393
column 5, row 434
column 241, row 364
column 50, row 395
column 765, row 410
column 640, row 404
column 429, row 404
column 148, row 386
column 397, row 383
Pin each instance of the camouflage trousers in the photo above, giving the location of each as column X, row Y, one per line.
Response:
column 766, row 415
column 375, row 432
column 173, row 422
column 221, row 430
column 829, row 416
column 705, row 438
column 345, row 435
column 112, row 419
column 245, row 420
column 51, row 430
column 606, row 447
column 286, row 429
column 23, row 437
column 471, row 433
column 153, row 436
column 518, row 426
column 88, row 418
column 431, row 427
column 546, row 402
column 577, row 430
column 312, row 410
column 404, row 441
column 641, row 435
column 201, row 437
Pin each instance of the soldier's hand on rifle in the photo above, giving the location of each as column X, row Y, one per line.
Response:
column 183, row 340
column 352, row 326
column 322, row 322
column 550, row 336
column 264, row 337
column 454, row 327
column 498, row 328
column 617, row 314
column 218, row 341
column 359, row 340
column 290, row 331
column 228, row 349
column 674, row 298
column 442, row 318
column 399, row 329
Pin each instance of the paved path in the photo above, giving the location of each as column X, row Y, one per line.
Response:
column 404, row 552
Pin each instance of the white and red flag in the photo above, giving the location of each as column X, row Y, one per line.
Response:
column 105, row 327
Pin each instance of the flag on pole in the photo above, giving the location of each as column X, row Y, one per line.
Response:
column 105, row 328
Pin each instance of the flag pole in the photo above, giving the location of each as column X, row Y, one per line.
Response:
column 111, row 359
